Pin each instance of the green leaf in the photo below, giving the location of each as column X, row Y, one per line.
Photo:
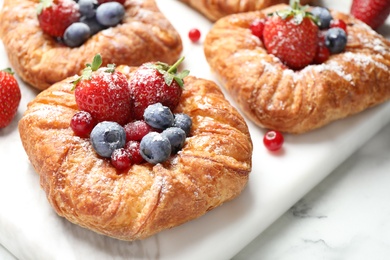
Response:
column 97, row 62
column 8, row 70
column 43, row 4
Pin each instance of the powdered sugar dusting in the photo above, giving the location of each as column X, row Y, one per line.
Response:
column 335, row 67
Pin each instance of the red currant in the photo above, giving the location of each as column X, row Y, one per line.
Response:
column 338, row 23
column 121, row 159
column 82, row 123
column 136, row 130
column 132, row 147
column 257, row 28
column 273, row 140
column 194, row 35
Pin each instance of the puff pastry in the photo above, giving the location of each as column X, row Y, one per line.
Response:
column 279, row 98
column 212, row 168
column 215, row 9
column 144, row 35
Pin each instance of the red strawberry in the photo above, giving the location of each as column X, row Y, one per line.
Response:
column 55, row 16
column 372, row 12
column 9, row 97
column 156, row 82
column 291, row 35
column 104, row 93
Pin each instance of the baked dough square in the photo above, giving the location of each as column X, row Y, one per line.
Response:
column 144, row 35
column 276, row 97
column 213, row 167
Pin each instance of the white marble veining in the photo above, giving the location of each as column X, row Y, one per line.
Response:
column 346, row 217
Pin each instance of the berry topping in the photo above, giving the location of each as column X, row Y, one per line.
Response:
column 372, row 12
column 133, row 148
column 10, row 96
column 155, row 148
column 87, row 8
column 176, row 137
column 194, row 35
column 93, row 24
column 136, row 130
column 104, row 93
column 322, row 53
column 76, row 34
column 158, row 116
column 107, row 137
column 106, row 1
column 291, row 35
column 337, row 23
column 336, row 40
column 257, row 28
column 323, row 15
column 156, row 82
column 273, row 140
column 184, row 122
column 110, row 14
column 121, row 159
column 55, row 16
column 82, row 123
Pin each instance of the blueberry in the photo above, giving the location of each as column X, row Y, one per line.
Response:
column 110, row 14
column 155, row 148
column 335, row 40
column 184, row 122
column 176, row 137
column 87, row 8
column 76, row 34
column 93, row 24
column 106, row 137
column 158, row 116
column 323, row 15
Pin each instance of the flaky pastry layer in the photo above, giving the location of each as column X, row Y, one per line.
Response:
column 216, row 9
column 279, row 98
column 212, row 168
column 144, row 35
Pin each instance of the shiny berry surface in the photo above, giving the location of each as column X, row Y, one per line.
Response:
column 337, row 23
column 155, row 148
column 121, row 159
column 273, row 140
column 136, row 130
column 257, row 28
column 82, row 123
column 194, row 35
column 133, row 148
column 336, row 40
column 107, row 137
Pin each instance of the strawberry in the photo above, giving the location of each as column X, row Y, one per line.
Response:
column 103, row 92
column 156, row 83
column 55, row 16
column 372, row 12
column 9, row 97
column 291, row 35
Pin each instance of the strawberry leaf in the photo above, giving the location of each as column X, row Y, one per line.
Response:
column 96, row 62
column 8, row 70
column 43, row 4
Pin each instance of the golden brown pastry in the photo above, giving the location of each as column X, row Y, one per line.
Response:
column 279, row 98
column 86, row 189
column 215, row 9
column 144, row 35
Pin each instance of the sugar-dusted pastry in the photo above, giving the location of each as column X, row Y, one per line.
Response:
column 143, row 34
column 134, row 190
column 292, row 80
column 215, row 9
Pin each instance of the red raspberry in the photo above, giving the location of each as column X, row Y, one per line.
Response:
column 156, row 83
column 104, row 93
column 55, row 16
column 136, row 130
column 133, row 148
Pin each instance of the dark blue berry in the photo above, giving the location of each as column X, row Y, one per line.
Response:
column 184, row 122
column 155, row 148
column 106, row 137
column 323, row 15
column 76, row 34
column 158, row 116
column 176, row 137
column 93, row 24
column 87, row 8
column 335, row 40
column 110, row 14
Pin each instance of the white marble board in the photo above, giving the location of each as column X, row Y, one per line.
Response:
column 30, row 229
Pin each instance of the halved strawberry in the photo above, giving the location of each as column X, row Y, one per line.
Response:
column 291, row 35
column 156, row 83
column 104, row 93
column 55, row 16
column 372, row 12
